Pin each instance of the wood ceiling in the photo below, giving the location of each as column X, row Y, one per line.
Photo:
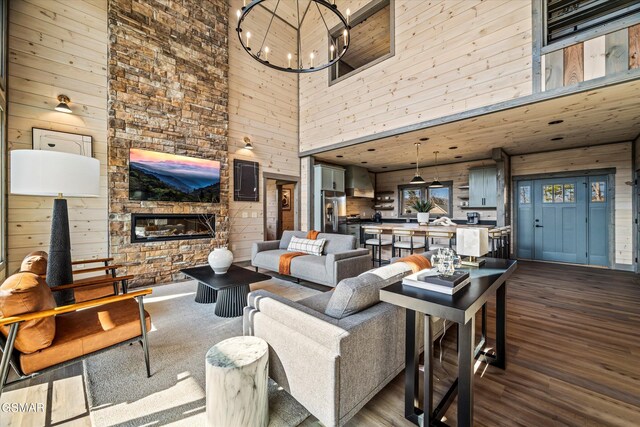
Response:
column 594, row 117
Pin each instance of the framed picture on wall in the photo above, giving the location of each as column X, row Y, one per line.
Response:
column 245, row 181
column 286, row 199
column 65, row 142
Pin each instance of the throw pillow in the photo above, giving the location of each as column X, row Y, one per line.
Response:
column 355, row 294
column 308, row 246
column 25, row 293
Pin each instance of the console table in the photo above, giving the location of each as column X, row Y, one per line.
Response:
column 461, row 308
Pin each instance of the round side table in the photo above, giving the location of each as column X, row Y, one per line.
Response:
column 237, row 381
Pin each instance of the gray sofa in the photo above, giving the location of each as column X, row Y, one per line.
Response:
column 340, row 258
column 334, row 366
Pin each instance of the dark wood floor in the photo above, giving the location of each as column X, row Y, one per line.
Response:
column 573, row 358
column 573, row 355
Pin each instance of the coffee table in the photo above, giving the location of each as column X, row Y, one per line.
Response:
column 229, row 291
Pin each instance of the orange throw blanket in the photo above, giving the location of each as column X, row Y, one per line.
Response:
column 284, row 263
column 416, row 262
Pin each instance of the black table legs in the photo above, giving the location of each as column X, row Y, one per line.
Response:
column 501, row 327
column 467, row 352
column 412, row 383
column 232, row 301
column 466, row 360
column 205, row 294
column 412, row 354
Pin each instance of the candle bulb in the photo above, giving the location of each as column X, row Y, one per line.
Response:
column 311, row 56
column 345, row 33
column 266, row 53
column 248, row 37
column 348, row 16
column 244, row 3
column 238, row 13
column 289, row 58
column 332, row 49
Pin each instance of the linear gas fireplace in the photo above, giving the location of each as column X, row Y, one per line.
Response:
column 159, row 227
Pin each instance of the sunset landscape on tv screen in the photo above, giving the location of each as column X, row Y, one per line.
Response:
column 169, row 177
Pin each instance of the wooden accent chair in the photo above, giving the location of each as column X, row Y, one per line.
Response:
column 97, row 286
column 37, row 337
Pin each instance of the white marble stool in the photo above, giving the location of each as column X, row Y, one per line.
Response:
column 237, row 375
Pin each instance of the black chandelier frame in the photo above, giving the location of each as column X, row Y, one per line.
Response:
column 298, row 70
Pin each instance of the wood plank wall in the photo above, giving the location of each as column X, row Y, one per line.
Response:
column 598, row 157
column 456, row 172
column 58, row 47
column 450, row 56
column 606, row 55
column 263, row 105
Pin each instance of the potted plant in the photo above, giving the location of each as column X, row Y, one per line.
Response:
column 422, row 207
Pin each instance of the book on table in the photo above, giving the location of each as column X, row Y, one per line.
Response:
column 430, row 280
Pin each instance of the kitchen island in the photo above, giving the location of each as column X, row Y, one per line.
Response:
column 389, row 227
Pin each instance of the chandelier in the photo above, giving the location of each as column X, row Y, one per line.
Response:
column 291, row 35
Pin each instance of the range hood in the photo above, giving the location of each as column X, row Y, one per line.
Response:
column 358, row 183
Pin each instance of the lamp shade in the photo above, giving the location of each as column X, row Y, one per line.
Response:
column 472, row 241
column 50, row 173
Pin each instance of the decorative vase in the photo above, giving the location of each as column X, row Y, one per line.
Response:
column 220, row 260
column 423, row 217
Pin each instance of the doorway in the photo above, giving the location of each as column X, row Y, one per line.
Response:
column 565, row 219
column 281, row 205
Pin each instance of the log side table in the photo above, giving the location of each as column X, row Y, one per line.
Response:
column 237, row 383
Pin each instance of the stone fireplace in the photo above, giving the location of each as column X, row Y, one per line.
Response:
column 168, row 92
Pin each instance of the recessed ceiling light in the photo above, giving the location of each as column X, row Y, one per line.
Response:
column 339, row 156
column 384, row 167
column 424, row 139
column 557, row 138
column 556, row 122
column 458, row 157
column 364, row 163
column 453, row 148
column 412, row 163
column 371, row 149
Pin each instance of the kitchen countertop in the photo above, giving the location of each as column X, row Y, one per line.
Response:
column 415, row 226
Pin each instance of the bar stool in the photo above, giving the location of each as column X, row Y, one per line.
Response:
column 376, row 242
column 506, row 241
column 495, row 239
column 407, row 245
column 432, row 234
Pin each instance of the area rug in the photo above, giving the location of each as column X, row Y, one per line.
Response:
column 120, row 394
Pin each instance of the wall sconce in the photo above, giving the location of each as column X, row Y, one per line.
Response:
column 63, row 106
column 247, row 143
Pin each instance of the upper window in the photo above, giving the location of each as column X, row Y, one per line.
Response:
column 565, row 18
column 440, row 197
column 371, row 39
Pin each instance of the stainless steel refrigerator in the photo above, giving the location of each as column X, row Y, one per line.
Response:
column 331, row 212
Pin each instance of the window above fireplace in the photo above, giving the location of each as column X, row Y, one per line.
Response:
column 161, row 227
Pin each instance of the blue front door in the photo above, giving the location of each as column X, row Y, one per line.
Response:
column 564, row 220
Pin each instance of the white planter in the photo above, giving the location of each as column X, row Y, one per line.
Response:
column 220, row 260
column 423, row 217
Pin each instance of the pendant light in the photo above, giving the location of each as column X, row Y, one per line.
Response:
column 417, row 179
column 436, row 183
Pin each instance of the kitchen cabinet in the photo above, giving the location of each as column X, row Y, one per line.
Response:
column 354, row 230
column 329, row 178
column 483, row 186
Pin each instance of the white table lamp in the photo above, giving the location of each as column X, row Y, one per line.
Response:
column 472, row 242
column 51, row 173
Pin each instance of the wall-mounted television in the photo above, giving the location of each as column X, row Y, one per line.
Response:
column 172, row 178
